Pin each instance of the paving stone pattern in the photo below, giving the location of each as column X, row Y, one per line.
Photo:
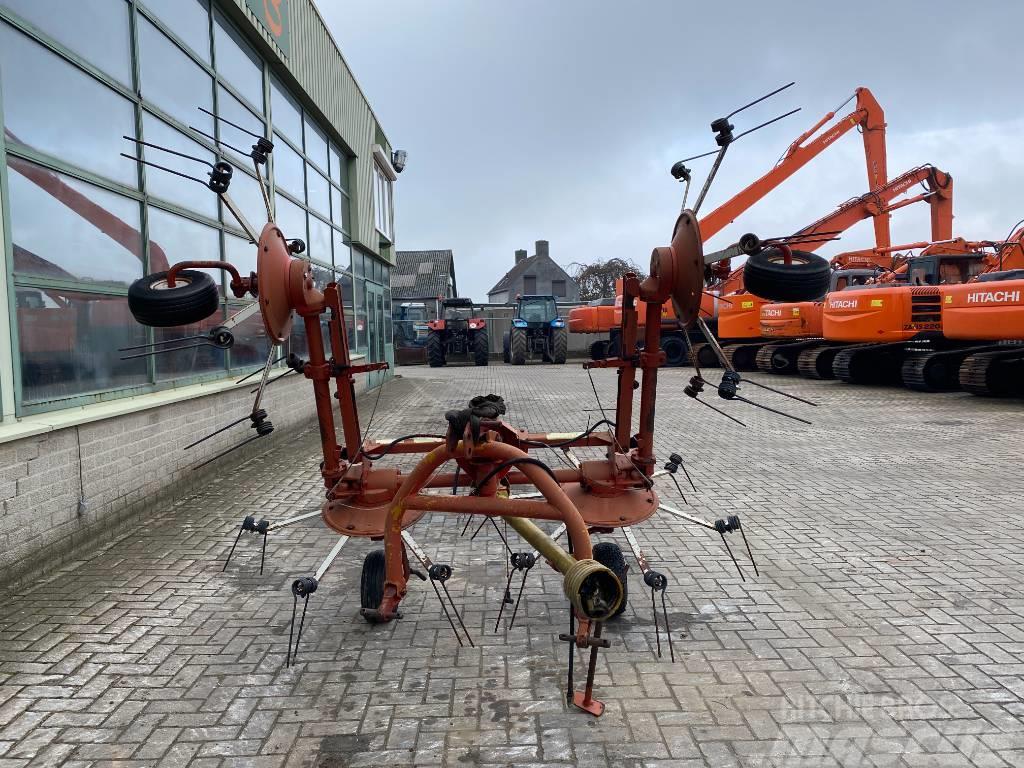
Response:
column 885, row 629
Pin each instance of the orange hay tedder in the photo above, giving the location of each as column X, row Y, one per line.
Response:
column 490, row 456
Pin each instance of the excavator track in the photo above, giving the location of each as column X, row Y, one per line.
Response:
column 783, row 357
column 705, row 354
column 938, row 371
column 743, row 357
column 816, row 362
column 877, row 364
column 994, row 374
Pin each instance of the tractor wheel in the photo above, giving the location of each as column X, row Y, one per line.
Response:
column 481, row 348
column 806, row 279
column 609, row 554
column 371, row 582
column 559, row 346
column 506, row 353
column 517, row 346
column 435, row 350
column 674, row 349
column 599, row 350
column 194, row 297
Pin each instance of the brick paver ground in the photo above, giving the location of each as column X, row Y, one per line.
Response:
column 886, row 628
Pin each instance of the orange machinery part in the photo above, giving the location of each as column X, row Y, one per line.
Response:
column 988, row 310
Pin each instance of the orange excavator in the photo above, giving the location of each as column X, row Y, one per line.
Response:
column 989, row 309
column 799, row 324
column 867, row 116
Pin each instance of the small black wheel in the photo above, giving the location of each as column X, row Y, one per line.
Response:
column 674, row 349
column 609, row 554
column 435, row 350
column 481, row 348
column 599, row 350
column 371, row 583
column 765, row 274
column 194, row 297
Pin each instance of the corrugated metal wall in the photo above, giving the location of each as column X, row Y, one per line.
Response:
column 315, row 67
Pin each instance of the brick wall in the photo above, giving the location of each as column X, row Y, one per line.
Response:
column 127, row 463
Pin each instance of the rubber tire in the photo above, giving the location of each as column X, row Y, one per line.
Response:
column 371, row 582
column 481, row 348
column 517, row 346
column 435, row 350
column 674, row 349
column 194, row 297
column 803, row 280
column 559, row 345
column 599, row 350
column 506, row 355
column 614, row 345
column 609, row 554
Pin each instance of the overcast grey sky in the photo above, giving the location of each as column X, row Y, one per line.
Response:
column 559, row 120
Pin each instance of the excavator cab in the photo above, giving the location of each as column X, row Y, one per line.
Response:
column 944, row 269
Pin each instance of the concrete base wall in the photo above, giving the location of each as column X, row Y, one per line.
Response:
column 127, row 463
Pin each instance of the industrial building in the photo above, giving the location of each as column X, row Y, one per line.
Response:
column 86, row 434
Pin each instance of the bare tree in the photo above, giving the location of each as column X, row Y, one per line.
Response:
column 597, row 280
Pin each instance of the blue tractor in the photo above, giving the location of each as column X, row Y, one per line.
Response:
column 537, row 331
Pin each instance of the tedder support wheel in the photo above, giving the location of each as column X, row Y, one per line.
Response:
column 194, row 297
column 767, row 275
column 559, row 346
column 517, row 346
column 599, row 350
column 435, row 351
column 371, row 582
column 609, row 554
column 481, row 348
column 674, row 349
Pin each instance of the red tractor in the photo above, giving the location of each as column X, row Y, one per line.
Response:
column 457, row 332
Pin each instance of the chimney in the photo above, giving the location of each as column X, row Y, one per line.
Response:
column 542, row 248
column 520, row 255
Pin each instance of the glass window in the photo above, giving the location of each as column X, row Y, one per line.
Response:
column 232, row 109
column 242, row 254
column 340, row 209
column 167, row 186
column 188, row 19
column 171, row 80
column 360, row 315
column 285, row 113
column 385, row 276
column 318, row 194
column 290, row 218
column 558, row 287
column 56, row 108
column 345, row 281
column 95, row 29
column 190, row 362
column 245, row 193
column 69, row 343
column 67, row 229
column 237, row 63
column 387, row 317
column 182, row 239
column 382, row 201
column 357, row 263
column 316, row 145
column 319, row 245
column 288, row 173
column 342, row 252
column 335, row 165
column 251, row 343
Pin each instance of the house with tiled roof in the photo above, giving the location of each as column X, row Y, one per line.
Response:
column 537, row 274
column 423, row 275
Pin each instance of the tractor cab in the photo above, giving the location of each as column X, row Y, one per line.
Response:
column 537, row 312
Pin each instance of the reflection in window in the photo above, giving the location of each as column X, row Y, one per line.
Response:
column 288, row 173
column 251, row 343
column 340, row 209
column 189, row 362
column 360, row 314
column 189, row 20
column 339, row 168
column 237, row 63
column 382, row 201
column 291, row 219
column 95, row 29
column 285, row 113
column 318, row 195
column 316, row 145
column 342, row 252
column 245, row 193
column 69, row 343
column 184, row 240
column 159, row 183
column 232, row 109
column 56, row 108
column 241, row 253
column 67, row 229
column 345, row 282
column 173, row 81
column 319, row 245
